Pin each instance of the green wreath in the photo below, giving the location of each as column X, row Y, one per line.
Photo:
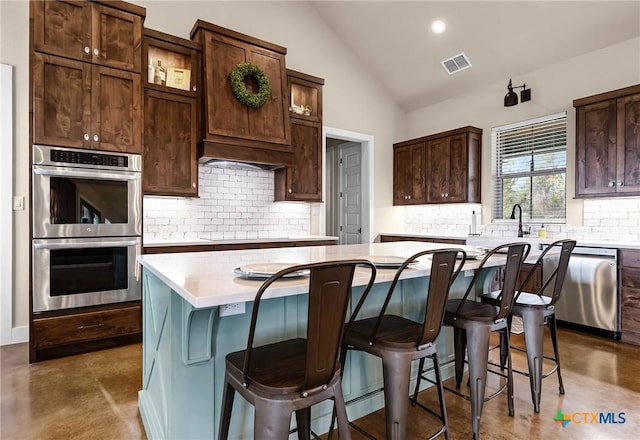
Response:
column 255, row 100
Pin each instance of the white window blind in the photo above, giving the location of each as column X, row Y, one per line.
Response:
column 530, row 163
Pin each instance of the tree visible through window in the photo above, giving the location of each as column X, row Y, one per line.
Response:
column 530, row 164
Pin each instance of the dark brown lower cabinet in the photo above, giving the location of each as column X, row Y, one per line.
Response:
column 630, row 282
column 74, row 331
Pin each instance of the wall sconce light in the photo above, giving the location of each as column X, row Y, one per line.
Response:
column 511, row 99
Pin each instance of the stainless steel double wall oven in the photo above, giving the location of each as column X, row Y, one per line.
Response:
column 87, row 227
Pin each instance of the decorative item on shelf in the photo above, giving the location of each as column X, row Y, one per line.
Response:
column 160, row 77
column 297, row 109
column 511, row 99
column 239, row 88
column 178, row 78
column 151, row 74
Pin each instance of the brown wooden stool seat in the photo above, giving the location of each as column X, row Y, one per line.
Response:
column 292, row 375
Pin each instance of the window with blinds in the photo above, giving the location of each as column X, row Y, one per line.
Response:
column 530, row 164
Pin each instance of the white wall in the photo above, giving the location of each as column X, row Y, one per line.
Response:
column 14, row 50
column 553, row 90
column 353, row 99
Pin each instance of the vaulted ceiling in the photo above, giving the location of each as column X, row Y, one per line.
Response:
column 502, row 39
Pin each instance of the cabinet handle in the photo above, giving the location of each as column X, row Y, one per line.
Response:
column 194, row 88
column 95, row 138
column 409, row 197
column 96, row 52
column 290, row 190
column 611, row 184
column 86, row 327
column 87, row 50
column 86, row 136
column 620, row 183
column 193, row 184
column 446, row 194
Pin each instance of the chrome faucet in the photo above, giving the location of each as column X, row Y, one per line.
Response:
column 513, row 217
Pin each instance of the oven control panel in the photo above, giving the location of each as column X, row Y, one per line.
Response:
column 80, row 157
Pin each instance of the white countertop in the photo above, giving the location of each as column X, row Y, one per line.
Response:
column 206, row 279
column 476, row 240
column 204, row 241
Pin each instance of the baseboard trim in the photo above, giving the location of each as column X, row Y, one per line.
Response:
column 18, row 335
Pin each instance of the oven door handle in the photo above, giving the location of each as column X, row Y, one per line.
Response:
column 93, row 244
column 91, row 174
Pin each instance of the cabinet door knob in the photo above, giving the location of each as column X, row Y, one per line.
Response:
column 409, row 197
column 620, row 183
column 194, row 88
column 446, row 194
column 96, row 52
column 95, row 138
column 290, row 190
column 86, row 136
column 87, row 50
column 193, row 184
column 611, row 184
column 442, row 195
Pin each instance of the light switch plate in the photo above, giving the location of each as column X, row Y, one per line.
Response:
column 18, row 203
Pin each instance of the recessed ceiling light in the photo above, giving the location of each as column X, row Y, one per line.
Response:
column 438, row 26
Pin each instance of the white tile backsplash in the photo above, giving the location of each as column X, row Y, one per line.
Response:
column 233, row 204
column 615, row 219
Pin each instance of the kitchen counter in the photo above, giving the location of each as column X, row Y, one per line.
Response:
column 204, row 245
column 185, row 340
column 477, row 240
column 207, row 279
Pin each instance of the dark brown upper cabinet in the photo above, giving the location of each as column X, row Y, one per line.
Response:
column 409, row 174
column 171, row 116
column 303, row 181
column 608, row 144
column 82, row 105
column 86, row 84
column 231, row 129
column 439, row 168
column 89, row 31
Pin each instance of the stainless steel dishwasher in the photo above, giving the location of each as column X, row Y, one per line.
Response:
column 590, row 299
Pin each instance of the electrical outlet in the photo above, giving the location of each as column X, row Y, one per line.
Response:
column 18, row 203
column 232, row 309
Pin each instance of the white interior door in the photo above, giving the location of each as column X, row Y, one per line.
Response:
column 350, row 193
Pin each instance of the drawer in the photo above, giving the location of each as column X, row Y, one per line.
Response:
column 88, row 326
column 631, row 297
column 630, row 320
column 630, row 258
column 630, row 277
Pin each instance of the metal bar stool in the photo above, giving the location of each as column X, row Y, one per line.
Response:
column 536, row 310
column 473, row 322
column 292, row 375
column 398, row 340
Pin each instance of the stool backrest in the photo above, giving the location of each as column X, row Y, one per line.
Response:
column 443, row 273
column 515, row 253
column 557, row 275
column 329, row 290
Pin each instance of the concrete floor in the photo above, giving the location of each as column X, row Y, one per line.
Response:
column 87, row 396
column 94, row 396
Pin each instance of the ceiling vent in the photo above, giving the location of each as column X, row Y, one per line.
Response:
column 456, row 63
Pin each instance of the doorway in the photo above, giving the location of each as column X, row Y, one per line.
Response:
column 348, row 186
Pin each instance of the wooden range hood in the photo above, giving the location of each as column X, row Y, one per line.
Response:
column 232, row 131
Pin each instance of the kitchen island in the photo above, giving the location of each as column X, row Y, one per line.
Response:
column 185, row 338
